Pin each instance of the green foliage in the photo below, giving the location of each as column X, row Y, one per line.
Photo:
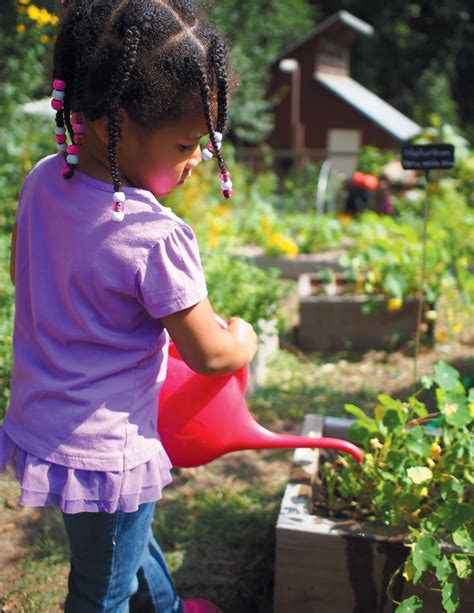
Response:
column 386, row 254
column 237, row 287
column 372, row 160
column 416, row 480
column 6, row 324
column 258, row 31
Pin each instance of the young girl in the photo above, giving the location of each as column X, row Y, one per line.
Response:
column 102, row 271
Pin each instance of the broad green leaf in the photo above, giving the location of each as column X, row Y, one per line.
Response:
column 410, row 605
column 454, row 514
column 456, row 410
column 417, row 406
column 359, row 434
column 357, row 412
column 387, row 401
column 418, row 441
column 451, row 488
column 392, row 420
column 462, row 564
column 443, row 569
column 446, row 376
column 419, row 474
column 426, row 553
column 450, row 594
column 464, row 537
column 395, row 458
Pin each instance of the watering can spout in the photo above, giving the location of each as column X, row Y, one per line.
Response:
column 203, row 417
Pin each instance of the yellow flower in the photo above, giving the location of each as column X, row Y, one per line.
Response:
column 278, row 243
column 471, row 409
column 394, row 304
column 24, row 1
column 435, row 451
column 20, row 28
column 44, row 38
column 42, row 17
column 458, row 327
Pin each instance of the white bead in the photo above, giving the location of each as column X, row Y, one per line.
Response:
column 226, row 184
column 72, row 159
column 218, row 145
column 58, row 95
column 59, row 130
column 206, row 155
column 62, row 147
column 118, row 216
column 119, row 197
column 218, row 137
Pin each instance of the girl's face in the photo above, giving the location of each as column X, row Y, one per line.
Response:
column 161, row 159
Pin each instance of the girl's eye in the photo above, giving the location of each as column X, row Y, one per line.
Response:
column 185, row 148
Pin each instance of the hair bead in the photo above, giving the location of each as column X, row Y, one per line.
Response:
column 206, row 155
column 119, row 197
column 59, row 84
column 117, row 209
column 57, row 104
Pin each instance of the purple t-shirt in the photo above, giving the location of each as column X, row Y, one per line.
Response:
column 90, row 349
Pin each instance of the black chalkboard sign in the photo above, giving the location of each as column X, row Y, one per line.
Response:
column 437, row 156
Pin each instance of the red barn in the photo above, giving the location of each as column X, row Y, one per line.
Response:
column 321, row 111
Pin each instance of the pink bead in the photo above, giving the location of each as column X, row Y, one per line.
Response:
column 59, row 84
column 57, row 104
column 73, row 149
column 78, row 139
column 60, row 138
column 78, row 117
column 224, row 176
column 66, row 171
column 78, row 128
column 228, row 193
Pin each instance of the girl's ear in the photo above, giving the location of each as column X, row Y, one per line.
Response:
column 101, row 125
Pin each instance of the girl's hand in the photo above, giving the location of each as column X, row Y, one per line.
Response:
column 244, row 334
column 206, row 346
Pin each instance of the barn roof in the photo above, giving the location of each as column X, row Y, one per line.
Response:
column 370, row 105
column 335, row 25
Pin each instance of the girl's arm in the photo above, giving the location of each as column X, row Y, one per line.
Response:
column 13, row 253
column 205, row 346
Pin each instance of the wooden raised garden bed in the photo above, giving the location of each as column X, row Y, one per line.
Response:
column 330, row 319
column 336, row 566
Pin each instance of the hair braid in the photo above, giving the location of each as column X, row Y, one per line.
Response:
column 218, row 56
column 206, row 102
column 117, row 87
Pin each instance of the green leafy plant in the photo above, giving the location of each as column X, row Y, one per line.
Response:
column 417, row 480
column 237, row 287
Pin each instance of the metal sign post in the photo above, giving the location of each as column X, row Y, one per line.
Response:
column 438, row 156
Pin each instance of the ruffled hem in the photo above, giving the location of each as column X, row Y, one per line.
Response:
column 75, row 490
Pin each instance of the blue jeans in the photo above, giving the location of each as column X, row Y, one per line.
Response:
column 116, row 564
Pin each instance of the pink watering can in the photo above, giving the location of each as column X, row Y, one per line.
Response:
column 203, row 417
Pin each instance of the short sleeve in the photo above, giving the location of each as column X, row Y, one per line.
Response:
column 172, row 278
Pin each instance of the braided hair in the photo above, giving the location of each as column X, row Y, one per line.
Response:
column 156, row 59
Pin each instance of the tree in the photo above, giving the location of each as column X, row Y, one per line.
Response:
column 257, row 31
column 421, row 57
